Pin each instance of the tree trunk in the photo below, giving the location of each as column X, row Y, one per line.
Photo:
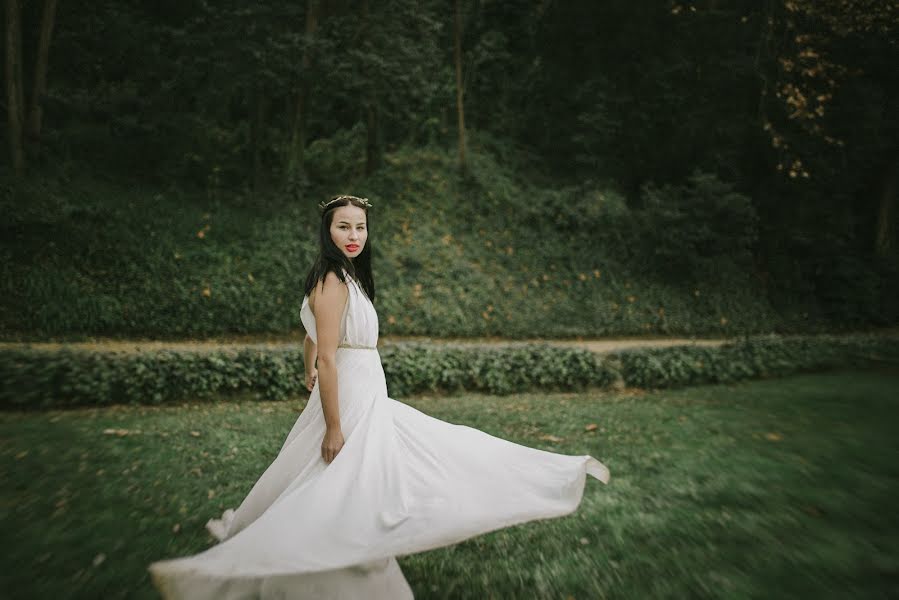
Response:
column 14, row 94
column 370, row 105
column 36, row 110
column 296, row 167
column 297, row 160
column 257, row 127
column 883, row 241
column 373, row 136
column 460, row 107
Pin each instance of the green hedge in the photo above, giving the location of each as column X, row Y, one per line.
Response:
column 417, row 367
column 35, row 378
column 768, row 356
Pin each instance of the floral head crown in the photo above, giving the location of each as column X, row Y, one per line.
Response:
column 363, row 201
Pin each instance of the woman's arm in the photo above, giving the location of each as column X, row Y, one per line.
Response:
column 331, row 297
column 310, row 352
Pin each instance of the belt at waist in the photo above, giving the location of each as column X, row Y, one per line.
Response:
column 357, row 346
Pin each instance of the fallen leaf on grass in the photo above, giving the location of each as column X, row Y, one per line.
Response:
column 773, row 437
column 118, row 432
column 195, row 433
column 21, row 454
column 551, row 438
column 591, row 427
column 176, row 528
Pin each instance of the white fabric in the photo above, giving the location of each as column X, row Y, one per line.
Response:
column 404, row 482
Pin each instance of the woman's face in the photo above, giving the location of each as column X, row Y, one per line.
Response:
column 349, row 229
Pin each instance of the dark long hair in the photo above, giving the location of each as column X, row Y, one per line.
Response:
column 332, row 258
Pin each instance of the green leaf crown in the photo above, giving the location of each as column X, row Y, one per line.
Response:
column 355, row 199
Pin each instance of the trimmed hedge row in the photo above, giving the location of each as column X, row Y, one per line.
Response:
column 67, row 377
column 33, row 379
column 418, row 367
column 751, row 358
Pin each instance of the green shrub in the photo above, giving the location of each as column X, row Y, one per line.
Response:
column 417, row 367
column 689, row 230
column 34, row 379
column 768, row 356
column 39, row 379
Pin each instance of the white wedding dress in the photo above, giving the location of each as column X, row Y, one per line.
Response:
column 403, row 482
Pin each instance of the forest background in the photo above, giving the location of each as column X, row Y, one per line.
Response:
column 542, row 168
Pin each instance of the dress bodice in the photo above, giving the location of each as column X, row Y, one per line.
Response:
column 359, row 323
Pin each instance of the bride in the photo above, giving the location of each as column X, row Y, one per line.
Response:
column 363, row 478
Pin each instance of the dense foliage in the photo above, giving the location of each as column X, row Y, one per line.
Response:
column 668, row 167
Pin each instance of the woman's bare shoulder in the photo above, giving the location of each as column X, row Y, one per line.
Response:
column 331, row 289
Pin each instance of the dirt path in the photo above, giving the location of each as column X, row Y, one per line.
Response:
column 296, row 340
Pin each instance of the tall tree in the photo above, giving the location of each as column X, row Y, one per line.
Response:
column 257, row 132
column 233, row 63
column 370, row 103
column 460, row 101
column 36, row 109
column 296, row 160
column 832, row 54
column 885, row 229
column 382, row 70
column 15, row 101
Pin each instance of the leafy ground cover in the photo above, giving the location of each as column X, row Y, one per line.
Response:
column 781, row 488
column 86, row 258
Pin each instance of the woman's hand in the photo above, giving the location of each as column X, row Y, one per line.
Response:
column 331, row 444
column 311, row 376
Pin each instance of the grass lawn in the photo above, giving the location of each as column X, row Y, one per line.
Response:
column 782, row 488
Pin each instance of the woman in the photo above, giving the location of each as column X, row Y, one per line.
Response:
column 361, row 477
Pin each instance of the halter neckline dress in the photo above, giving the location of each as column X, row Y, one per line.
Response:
column 404, row 482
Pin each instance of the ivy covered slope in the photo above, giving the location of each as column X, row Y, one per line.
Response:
column 483, row 254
